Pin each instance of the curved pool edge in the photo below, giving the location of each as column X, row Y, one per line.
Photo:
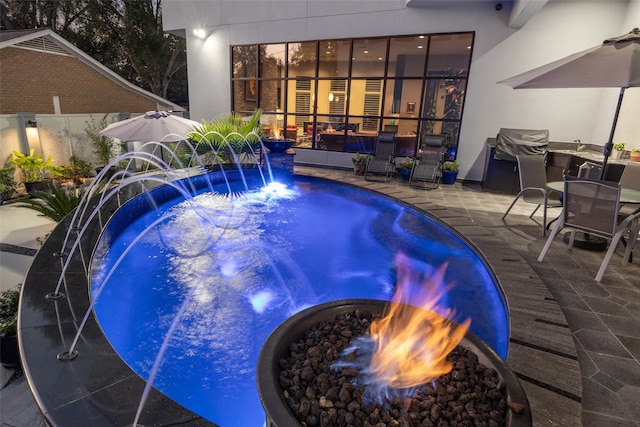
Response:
column 98, row 385
column 468, row 242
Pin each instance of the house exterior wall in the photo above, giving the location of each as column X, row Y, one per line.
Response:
column 30, row 80
column 560, row 28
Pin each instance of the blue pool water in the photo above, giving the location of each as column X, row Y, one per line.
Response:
column 223, row 272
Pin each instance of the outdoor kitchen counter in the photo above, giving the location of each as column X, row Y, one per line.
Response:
column 501, row 176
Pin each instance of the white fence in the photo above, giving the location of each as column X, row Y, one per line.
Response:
column 57, row 135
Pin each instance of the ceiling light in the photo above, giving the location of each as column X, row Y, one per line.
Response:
column 199, row 33
column 419, row 46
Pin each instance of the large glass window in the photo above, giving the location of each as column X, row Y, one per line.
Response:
column 337, row 94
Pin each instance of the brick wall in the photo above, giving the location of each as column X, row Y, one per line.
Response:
column 29, row 80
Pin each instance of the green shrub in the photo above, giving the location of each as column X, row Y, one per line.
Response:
column 231, row 128
column 9, row 301
column 451, row 166
column 55, row 205
column 33, row 167
column 7, row 183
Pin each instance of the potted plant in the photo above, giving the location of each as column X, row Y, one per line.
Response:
column 617, row 150
column 360, row 163
column 634, row 156
column 35, row 170
column 7, row 184
column 404, row 168
column 77, row 170
column 450, row 172
column 9, row 354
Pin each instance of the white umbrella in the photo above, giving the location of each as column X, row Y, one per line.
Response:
column 158, row 126
column 615, row 63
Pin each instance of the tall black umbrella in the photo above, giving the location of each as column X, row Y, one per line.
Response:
column 615, row 63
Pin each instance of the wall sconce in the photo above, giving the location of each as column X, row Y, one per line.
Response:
column 200, row 33
column 330, row 97
column 31, row 124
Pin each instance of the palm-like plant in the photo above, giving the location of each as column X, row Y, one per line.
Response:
column 54, row 205
column 226, row 133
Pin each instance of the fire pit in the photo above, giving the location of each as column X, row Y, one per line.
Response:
column 278, row 145
column 275, row 359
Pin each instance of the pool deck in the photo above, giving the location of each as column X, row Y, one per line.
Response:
column 575, row 344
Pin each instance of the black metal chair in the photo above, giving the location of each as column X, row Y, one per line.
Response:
column 427, row 167
column 382, row 162
column 533, row 186
column 592, row 207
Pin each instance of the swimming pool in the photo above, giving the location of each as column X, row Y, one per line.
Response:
column 235, row 267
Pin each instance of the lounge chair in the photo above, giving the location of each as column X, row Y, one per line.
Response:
column 427, row 168
column 382, row 162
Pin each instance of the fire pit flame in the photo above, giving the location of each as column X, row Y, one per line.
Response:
column 408, row 346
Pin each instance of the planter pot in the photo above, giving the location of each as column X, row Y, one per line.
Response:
column 634, row 156
column 9, row 352
column 616, row 154
column 359, row 168
column 277, row 348
column 404, row 173
column 112, row 171
column 66, row 183
column 37, row 186
column 449, row 177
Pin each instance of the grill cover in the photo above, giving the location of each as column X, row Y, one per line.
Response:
column 511, row 142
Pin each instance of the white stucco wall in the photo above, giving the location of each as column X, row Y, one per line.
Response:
column 560, row 28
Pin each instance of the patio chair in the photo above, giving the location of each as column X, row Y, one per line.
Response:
column 533, row 186
column 382, row 161
column 592, row 207
column 630, row 178
column 427, row 167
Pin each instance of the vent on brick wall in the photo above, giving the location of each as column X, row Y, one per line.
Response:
column 43, row 44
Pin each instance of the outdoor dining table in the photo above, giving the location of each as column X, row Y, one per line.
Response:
column 627, row 195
